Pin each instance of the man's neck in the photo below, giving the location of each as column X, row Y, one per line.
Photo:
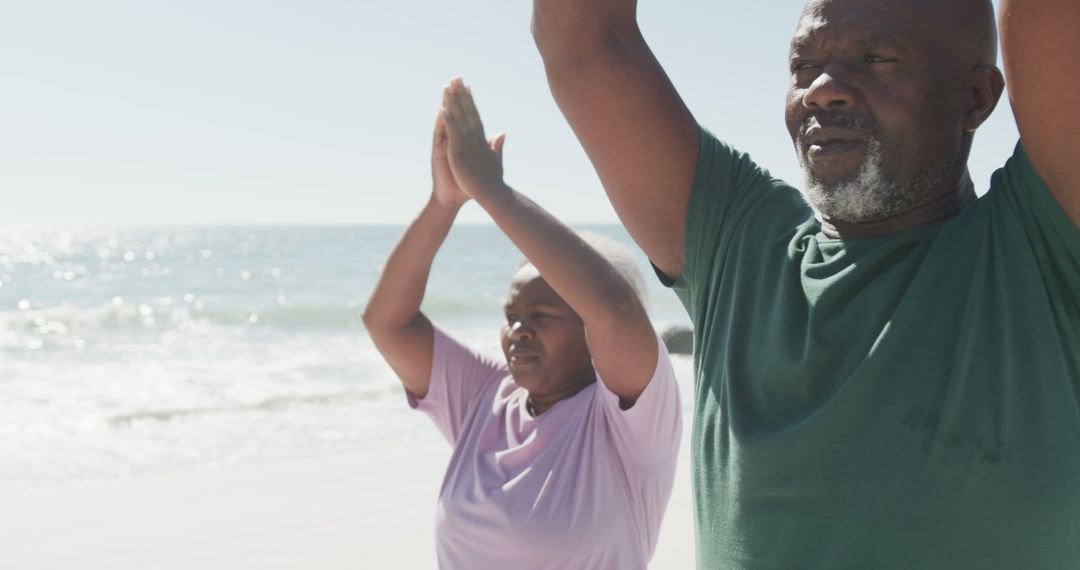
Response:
column 941, row 207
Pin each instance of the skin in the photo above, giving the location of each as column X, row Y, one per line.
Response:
column 581, row 312
column 1040, row 45
column 638, row 133
column 617, row 332
column 544, row 341
column 913, row 84
column 643, row 141
column 392, row 317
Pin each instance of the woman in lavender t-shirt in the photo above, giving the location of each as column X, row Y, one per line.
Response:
column 564, row 454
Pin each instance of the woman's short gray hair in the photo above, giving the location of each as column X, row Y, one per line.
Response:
column 618, row 255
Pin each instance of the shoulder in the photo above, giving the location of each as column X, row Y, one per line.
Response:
column 736, row 202
column 1020, row 189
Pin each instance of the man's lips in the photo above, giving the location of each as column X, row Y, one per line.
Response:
column 831, row 148
column 828, row 142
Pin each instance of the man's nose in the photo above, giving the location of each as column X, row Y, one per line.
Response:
column 830, row 92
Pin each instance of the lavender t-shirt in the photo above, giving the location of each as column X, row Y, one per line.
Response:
column 583, row 485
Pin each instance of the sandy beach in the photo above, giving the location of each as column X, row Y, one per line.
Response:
column 364, row 509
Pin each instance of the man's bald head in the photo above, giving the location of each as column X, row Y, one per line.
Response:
column 964, row 28
column 884, row 98
column 970, row 24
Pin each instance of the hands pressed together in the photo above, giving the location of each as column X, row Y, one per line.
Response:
column 464, row 163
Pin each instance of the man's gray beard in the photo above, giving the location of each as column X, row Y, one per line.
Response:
column 871, row 195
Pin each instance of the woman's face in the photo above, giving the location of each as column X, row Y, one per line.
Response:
column 544, row 339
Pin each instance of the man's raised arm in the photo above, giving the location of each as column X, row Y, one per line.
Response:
column 1041, row 40
column 637, row 131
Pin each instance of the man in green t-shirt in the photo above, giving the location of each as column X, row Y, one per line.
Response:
column 887, row 367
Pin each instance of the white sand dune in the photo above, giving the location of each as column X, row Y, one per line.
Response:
column 356, row 510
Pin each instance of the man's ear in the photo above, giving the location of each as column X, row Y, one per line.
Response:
column 986, row 88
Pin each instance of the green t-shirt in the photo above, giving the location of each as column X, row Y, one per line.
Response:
column 909, row 401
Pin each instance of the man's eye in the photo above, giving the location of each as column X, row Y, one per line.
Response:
column 511, row 318
column 803, row 65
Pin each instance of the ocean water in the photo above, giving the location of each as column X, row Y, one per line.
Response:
column 134, row 350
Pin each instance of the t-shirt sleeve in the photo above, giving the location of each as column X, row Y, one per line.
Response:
column 1054, row 239
column 459, row 380
column 729, row 189
column 649, row 431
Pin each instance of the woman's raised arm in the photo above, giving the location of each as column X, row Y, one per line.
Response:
column 392, row 316
column 621, row 339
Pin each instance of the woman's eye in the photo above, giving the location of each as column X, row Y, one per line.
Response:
column 875, row 58
column 803, row 65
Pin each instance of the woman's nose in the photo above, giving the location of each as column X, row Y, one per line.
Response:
column 520, row 330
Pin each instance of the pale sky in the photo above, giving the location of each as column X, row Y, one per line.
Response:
column 243, row 111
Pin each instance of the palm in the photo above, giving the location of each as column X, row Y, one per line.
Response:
column 476, row 162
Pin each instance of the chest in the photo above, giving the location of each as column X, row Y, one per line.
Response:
column 927, row 388
column 960, row 328
column 547, row 482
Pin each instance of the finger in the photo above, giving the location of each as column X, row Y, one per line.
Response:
column 448, row 105
column 440, row 129
column 448, row 97
column 453, row 133
column 497, row 145
column 472, row 115
column 450, row 116
column 440, row 124
column 457, row 108
column 447, row 90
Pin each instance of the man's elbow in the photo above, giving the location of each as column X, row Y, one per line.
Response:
column 553, row 41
